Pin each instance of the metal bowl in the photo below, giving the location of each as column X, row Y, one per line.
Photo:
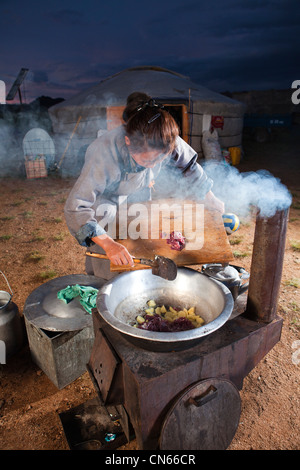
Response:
column 120, row 300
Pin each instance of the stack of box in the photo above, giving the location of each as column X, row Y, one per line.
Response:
column 36, row 168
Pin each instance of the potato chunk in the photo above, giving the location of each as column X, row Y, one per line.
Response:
column 149, row 311
column 140, row 319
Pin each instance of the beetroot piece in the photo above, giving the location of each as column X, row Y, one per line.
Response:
column 181, row 324
column 154, row 323
column 177, row 241
column 157, row 323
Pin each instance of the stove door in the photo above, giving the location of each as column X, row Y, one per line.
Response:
column 204, row 417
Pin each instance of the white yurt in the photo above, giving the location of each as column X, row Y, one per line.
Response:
column 79, row 120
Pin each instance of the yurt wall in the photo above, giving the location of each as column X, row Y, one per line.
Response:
column 191, row 124
column 74, row 129
column 177, row 110
column 79, row 120
column 200, row 120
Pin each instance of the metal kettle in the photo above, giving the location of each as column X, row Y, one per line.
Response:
column 11, row 328
column 231, row 276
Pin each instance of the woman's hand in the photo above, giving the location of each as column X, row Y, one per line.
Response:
column 116, row 252
column 212, row 202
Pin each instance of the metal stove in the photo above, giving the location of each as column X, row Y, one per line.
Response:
column 189, row 400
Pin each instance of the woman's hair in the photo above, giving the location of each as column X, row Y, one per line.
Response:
column 148, row 125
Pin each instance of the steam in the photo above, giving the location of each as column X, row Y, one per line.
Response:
column 9, row 150
column 241, row 191
column 16, row 121
column 14, row 124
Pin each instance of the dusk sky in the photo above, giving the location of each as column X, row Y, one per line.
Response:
column 225, row 45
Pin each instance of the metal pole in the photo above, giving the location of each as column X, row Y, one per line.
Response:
column 266, row 266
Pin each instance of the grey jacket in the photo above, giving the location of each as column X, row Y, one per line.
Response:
column 110, row 172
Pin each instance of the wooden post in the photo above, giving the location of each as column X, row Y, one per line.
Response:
column 266, row 266
column 71, row 137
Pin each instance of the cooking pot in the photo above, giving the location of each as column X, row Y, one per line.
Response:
column 231, row 276
column 124, row 297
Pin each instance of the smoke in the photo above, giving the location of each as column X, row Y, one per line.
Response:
column 15, row 122
column 9, row 148
column 241, row 191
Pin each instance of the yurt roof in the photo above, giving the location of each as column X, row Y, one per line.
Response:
column 155, row 81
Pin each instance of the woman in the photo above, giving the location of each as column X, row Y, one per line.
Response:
column 125, row 162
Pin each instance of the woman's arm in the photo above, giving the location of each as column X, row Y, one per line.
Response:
column 116, row 252
column 212, row 202
column 185, row 174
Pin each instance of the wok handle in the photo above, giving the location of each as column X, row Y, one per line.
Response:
column 243, row 288
column 101, row 256
column 206, row 396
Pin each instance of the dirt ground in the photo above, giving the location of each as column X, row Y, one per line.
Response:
column 35, row 246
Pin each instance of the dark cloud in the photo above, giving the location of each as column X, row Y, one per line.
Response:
column 68, row 17
column 232, row 45
column 242, row 73
column 38, row 76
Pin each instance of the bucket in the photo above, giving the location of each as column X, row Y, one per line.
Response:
column 235, row 154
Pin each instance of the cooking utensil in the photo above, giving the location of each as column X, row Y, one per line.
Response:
column 161, row 266
column 231, row 276
column 121, row 299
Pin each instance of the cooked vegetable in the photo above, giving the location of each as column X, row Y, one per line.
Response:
column 140, row 319
column 159, row 318
column 149, row 311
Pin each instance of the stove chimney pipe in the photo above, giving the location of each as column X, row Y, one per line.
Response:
column 266, row 266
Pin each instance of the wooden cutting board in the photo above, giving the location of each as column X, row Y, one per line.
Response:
column 148, row 230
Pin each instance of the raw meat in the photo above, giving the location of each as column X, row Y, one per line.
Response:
column 177, row 241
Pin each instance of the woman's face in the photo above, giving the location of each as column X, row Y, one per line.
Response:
column 146, row 159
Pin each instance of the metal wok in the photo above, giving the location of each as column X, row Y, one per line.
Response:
column 120, row 300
